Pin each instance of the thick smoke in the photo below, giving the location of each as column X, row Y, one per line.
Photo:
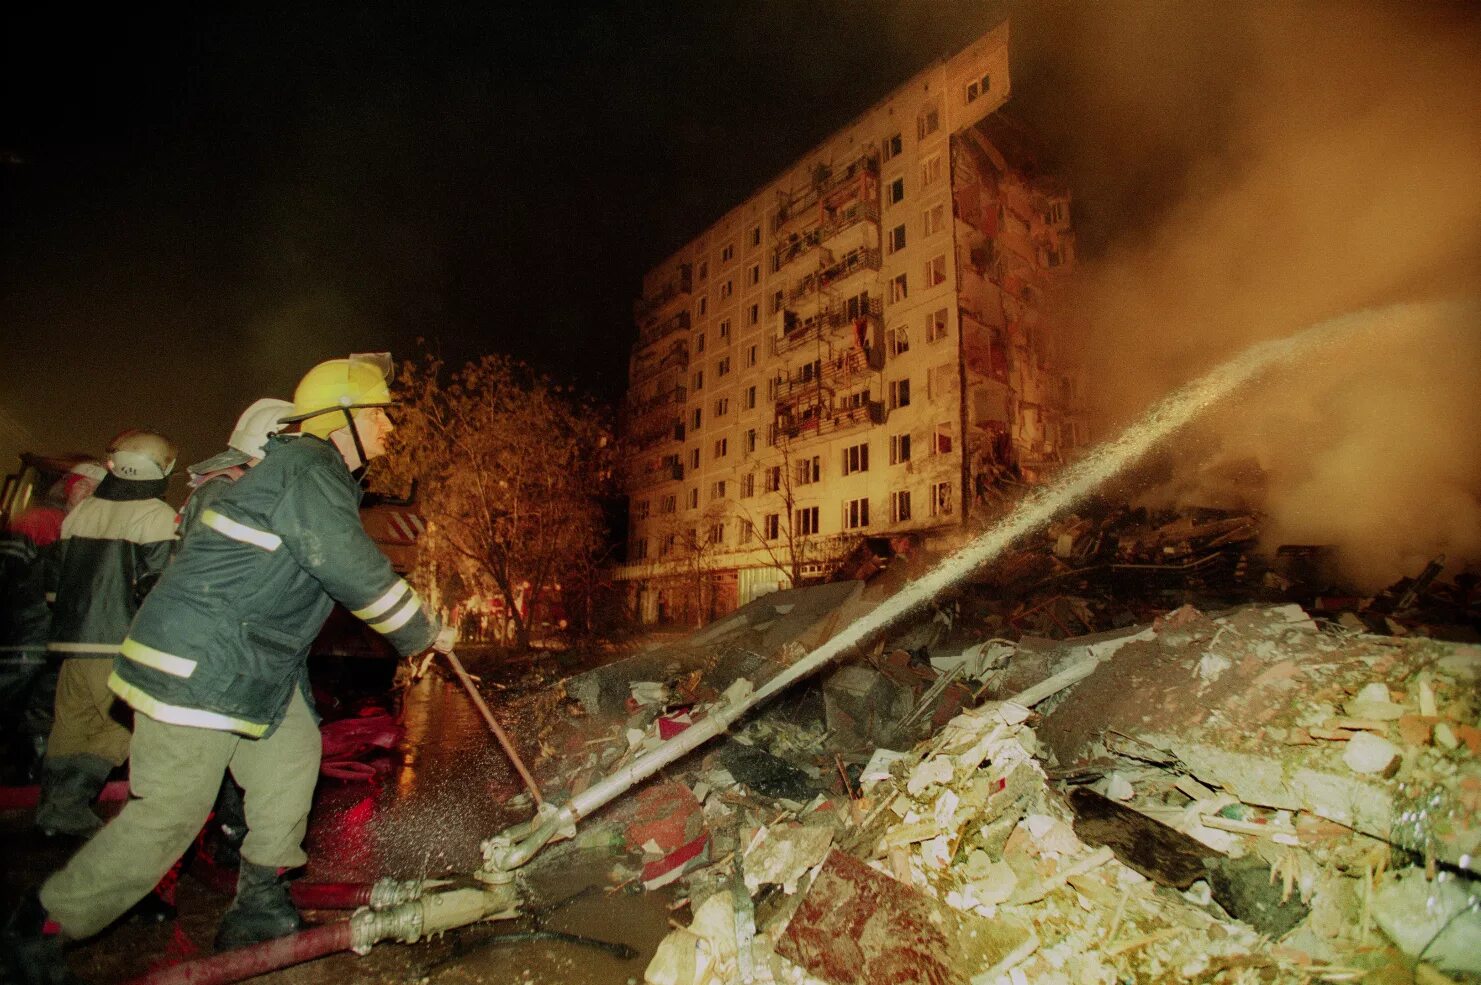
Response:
column 1337, row 171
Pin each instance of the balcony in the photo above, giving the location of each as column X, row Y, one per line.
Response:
column 647, row 364
column 818, row 419
column 649, row 475
column 673, row 395
column 854, row 261
column 677, row 286
column 830, row 225
column 857, row 179
column 795, row 330
column 830, row 375
column 656, row 331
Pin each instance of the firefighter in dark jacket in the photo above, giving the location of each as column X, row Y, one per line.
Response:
column 113, row 547
column 214, row 668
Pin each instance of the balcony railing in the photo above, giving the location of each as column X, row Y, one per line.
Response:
column 796, row 330
column 863, row 169
column 656, row 331
column 649, row 364
column 799, row 243
column 653, row 475
column 677, row 286
column 855, row 260
column 673, row 395
column 833, row 373
column 820, row 420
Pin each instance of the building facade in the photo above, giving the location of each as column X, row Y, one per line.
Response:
column 859, row 349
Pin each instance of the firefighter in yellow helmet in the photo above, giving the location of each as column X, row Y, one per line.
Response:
column 214, row 668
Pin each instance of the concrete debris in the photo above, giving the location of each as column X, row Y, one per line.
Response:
column 1436, row 919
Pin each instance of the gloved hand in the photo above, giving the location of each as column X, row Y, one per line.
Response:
column 447, row 638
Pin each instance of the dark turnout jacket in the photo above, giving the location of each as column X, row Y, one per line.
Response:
column 113, row 547
column 222, row 640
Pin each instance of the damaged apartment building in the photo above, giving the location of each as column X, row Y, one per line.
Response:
column 861, row 349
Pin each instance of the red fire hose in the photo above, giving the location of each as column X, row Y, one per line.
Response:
column 329, row 895
column 258, row 959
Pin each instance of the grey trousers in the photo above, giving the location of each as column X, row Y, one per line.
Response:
column 174, row 776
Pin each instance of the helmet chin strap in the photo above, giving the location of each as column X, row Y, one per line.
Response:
column 358, row 471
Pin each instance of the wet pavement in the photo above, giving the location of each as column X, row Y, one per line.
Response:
column 442, row 790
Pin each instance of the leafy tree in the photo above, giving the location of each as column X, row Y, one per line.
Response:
column 509, row 467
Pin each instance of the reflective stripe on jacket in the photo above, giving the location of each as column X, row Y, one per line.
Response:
column 223, row 639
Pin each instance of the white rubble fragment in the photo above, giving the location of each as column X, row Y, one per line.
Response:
column 878, row 768
column 784, row 855
column 649, row 692
column 944, row 811
column 1445, row 736
column 682, row 958
column 1437, row 918
column 1369, row 753
column 937, row 770
column 1426, row 697
column 1211, row 667
column 1119, row 787
column 1374, row 702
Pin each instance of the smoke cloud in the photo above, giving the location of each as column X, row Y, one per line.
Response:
column 1297, row 162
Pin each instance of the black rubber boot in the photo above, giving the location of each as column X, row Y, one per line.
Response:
column 31, row 955
column 262, row 910
column 227, row 827
column 69, row 785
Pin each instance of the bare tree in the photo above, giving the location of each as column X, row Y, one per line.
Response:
column 509, row 467
column 793, row 551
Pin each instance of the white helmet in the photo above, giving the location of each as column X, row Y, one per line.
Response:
column 141, row 455
column 249, row 437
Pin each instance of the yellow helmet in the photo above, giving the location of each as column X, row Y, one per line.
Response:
column 340, row 385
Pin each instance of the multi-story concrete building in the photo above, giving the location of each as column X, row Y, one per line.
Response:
column 856, row 350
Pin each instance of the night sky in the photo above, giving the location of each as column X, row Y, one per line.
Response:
column 200, row 204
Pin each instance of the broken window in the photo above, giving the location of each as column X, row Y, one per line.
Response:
column 856, row 458
column 930, row 169
column 899, row 448
column 899, row 289
column 809, row 470
column 941, row 439
column 900, row 506
column 898, row 340
column 897, row 191
column 936, row 271
column 856, row 514
column 928, row 122
column 899, row 393
column 941, row 499
column 936, row 325
column 933, row 220
column 941, row 381
column 978, row 88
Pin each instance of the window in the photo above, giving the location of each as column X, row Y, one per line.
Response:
column 669, row 504
column 809, row 470
column 693, row 458
column 941, row 381
column 698, row 380
column 748, row 402
column 893, row 147
column 722, row 447
column 856, row 514
column 699, row 342
column 640, row 509
column 1054, row 214
column 806, row 521
column 936, row 271
column 694, row 498
column 941, row 499
column 898, row 341
column 753, row 274
column 640, row 549
column 856, row 458
column 928, row 122
column 899, row 448
column 941, row 440
column 722, row 366
column 773, row 478
column 717, row 489
column 717, row 533
column 727, row 253
column 753, row 314
column 748, row 485
column 933, row 220
column 703, row 307
column 722, row 406
column 771, row 526
column 724, row 328
column 936, row 326
column 750, row 441
column 898, row 289
column 667, row 547
column 978, row 88
column 897, row 239
column 696, row 417
column 704, row 269
column 778, row 301
column 756, row 235
column 899, row 393
column 930, row 170
column 727, row 289
column 745, row 533
column 897, row 191
column 900, row 506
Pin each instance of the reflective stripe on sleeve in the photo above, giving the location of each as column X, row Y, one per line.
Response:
column 176, row 715
column 400, row 617
column 383, row 604
column 240, row 531
column 98, row 648
column 158, row 659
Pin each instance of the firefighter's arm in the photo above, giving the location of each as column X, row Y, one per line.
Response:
column 319, row 522
column 154, row 543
